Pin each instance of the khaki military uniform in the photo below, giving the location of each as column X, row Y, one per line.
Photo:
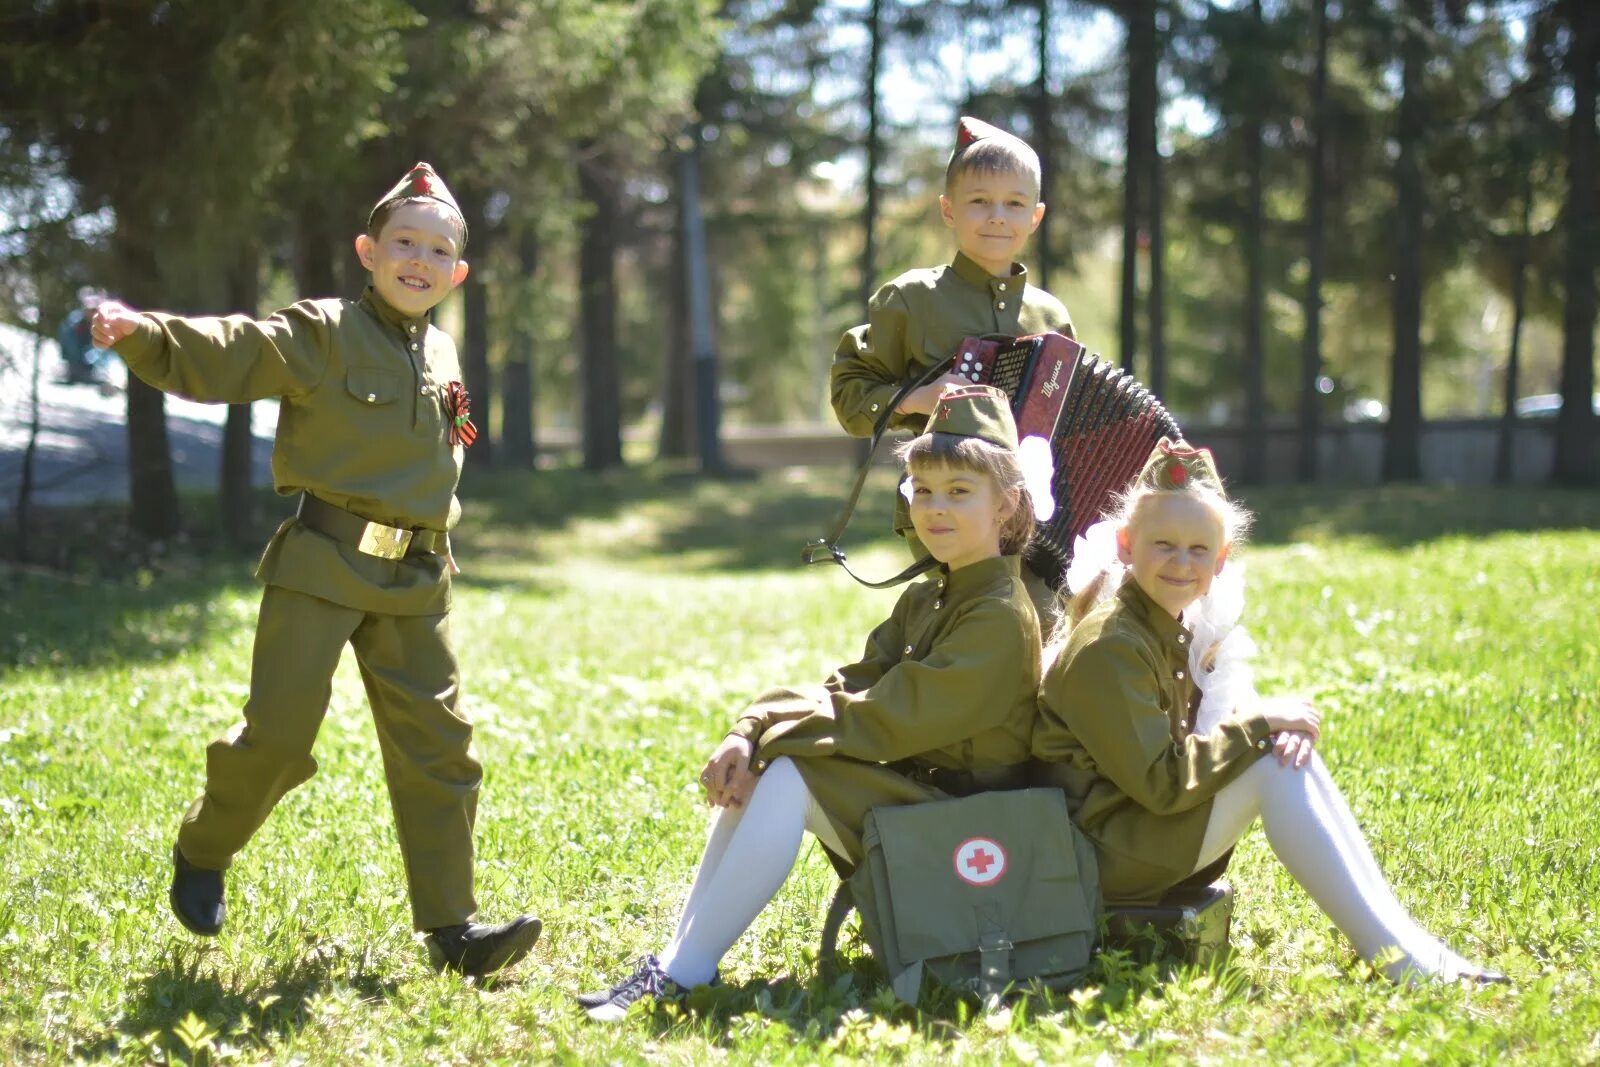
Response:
column 918, row 320
column 941, row 702
column 362, row 426
column 1114, row 727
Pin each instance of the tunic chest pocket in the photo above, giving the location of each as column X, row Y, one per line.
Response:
column 370, row 386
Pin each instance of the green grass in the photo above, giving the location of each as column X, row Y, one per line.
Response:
column 609, row 628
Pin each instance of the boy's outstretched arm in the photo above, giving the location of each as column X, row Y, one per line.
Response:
column 230, row 360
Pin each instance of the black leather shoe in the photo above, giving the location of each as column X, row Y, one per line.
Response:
column 196, row 896
column 475, row 950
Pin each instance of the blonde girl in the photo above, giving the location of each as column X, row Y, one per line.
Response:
column 1163, row 797
column 941, row 703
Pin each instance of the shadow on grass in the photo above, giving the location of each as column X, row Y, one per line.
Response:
column 744, row 522
column 1400, row 516
column 242, row 1014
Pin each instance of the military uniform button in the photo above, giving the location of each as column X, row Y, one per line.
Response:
column 1262, row 744
column 1183, row 724
column 415, row 346
column 1178, row 675
column 412, row 327
column 372, row 398
column 937, row 604
column 1001, row 287
column 1001, row 305
column 1183, row 639
column 908, row 650
column 874, row 407
column 423, row 391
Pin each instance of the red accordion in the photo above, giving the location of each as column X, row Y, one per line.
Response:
column 1100, row 421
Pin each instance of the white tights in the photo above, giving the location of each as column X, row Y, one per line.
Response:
column 749, row 852
column 1314, row 835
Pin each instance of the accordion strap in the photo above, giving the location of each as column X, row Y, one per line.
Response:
column 825, row 549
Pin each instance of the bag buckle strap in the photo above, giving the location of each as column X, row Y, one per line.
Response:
column 994, row 955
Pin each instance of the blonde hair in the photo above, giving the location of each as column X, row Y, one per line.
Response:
column 1000, row 465
column 1236, row 522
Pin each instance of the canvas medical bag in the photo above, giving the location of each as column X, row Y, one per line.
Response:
column 984, row 892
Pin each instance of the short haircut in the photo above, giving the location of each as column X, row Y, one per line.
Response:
column 385, row 211
column 998, row 153
column 1001, row 465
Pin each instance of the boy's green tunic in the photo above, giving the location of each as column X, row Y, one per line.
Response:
column 362, row 425
column 947, row 684
column 1114, row 729
column 918, row 320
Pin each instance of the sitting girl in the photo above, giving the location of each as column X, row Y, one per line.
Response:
column 941, row 704
column 1163, row 799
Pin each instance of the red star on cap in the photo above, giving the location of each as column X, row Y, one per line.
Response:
column 944, row 411
column 1178, row 473
column 424, row 186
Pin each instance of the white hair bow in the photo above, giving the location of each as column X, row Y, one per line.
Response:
column 1038, row 471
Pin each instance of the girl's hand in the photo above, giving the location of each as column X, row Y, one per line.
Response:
column 112, row 322
column 726, row 778
column 1293, row 714
column 1293, row 747
column 920, row 401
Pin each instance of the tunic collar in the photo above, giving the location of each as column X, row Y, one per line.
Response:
column 1168, row 631
column 974, row 275
column 384, row 312
column 978, row 577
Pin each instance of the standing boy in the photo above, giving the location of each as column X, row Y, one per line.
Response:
column 371, row 428
column 991, row 202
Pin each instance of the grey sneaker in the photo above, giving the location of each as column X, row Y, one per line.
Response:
column 647, row 979
column 601, row 996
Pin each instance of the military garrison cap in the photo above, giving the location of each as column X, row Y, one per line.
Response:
column 421, row 182
column 1174, row 465
column 980, row 411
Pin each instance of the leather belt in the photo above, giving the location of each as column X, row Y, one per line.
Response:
column 962, row 783
column 373, row 538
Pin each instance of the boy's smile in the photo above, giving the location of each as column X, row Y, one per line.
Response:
column 1174, row 546
column 413, row 261
column 993, row 214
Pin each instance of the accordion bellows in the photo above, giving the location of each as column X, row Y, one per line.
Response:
column 1101, row 423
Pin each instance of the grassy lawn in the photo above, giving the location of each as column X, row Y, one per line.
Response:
column 609, row 628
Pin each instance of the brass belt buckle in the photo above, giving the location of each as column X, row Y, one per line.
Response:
column 385, row 542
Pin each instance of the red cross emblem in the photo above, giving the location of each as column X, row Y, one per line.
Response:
column 980, row 861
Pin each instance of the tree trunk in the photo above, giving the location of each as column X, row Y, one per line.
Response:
column 1402, row 453
column 517, row 448
column 313, row 259
column 234, row 498
column 702, row 342
column 869, row 210
column 1316, row 214
column 1136, row 168
column 24, row 505
column 677, row 384
column 597, row 298
column 1044, row 128
column 152, row 494
column 1254, row 471
column 1155, row 193
column 1505, row 452
column 475, row 337
column 1576, row 462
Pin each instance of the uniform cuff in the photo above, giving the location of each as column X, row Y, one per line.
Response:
column 138, row 345
column 747, row 728
column 1259, row 732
